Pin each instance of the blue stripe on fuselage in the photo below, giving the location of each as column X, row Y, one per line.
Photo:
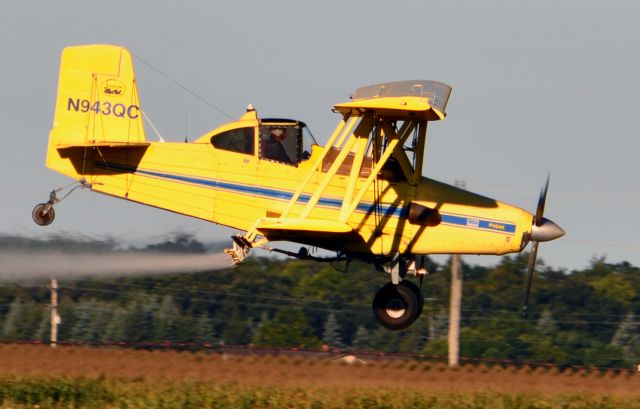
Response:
column 386, row 210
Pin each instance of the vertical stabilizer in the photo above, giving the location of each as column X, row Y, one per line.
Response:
column 97, row 102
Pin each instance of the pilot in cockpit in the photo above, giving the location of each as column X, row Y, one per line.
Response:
column 273, row 147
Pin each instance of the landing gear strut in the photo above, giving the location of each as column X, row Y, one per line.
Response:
column 43, row 214
column 400, row 302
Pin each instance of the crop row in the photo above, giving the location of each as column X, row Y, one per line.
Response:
column 104, row 393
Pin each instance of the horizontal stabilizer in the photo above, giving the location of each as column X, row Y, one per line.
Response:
column 112, row 145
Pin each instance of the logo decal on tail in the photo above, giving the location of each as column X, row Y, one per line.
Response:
column 112, row 87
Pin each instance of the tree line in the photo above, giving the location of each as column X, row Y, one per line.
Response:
column 581, row 317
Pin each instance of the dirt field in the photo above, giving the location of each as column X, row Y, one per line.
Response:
column 28, row 361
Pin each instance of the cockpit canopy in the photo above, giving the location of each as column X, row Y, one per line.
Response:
column 280, row 140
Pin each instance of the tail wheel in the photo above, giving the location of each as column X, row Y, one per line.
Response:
column 43, row 216
column 396, row 307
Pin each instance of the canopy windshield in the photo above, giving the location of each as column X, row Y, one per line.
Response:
column 436, row 92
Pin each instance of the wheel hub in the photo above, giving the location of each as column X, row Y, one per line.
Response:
column 396, row 308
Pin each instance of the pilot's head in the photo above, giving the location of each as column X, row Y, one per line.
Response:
column 278, row 134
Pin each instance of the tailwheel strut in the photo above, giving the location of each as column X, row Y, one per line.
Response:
column 43, row 213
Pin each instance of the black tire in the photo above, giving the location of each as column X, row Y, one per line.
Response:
column 395, row 306
column 43, row 219
column 418, row 292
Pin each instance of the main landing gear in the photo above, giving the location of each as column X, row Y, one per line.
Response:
column 396, row 305
column 399, row 303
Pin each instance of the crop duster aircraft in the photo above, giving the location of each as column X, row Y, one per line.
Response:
column 361, row 195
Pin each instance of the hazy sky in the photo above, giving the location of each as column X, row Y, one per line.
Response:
column 538, row 87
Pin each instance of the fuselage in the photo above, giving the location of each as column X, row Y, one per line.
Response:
column 237, row 189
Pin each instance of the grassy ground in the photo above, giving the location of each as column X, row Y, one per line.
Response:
column 74, row 377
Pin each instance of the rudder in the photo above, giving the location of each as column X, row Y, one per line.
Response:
column 97, row 102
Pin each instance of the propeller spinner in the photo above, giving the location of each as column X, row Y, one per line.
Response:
column 542, row 230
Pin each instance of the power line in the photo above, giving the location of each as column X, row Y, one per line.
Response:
column 605, row 243
column 221, row 293
column 468, row 313
column 584, row 196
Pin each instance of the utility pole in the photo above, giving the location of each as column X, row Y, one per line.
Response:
column 455, row 302
column 55, row 318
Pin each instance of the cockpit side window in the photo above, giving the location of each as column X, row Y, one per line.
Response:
column 281, row 143
column 239, row 140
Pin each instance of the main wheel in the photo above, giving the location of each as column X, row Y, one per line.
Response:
column 417, row 291
column 396, row 306
column 41, row 217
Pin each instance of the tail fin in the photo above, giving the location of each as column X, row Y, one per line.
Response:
column 97, row 102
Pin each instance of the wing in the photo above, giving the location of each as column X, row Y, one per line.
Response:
column 314, row 232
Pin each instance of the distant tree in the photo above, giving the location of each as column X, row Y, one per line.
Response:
column 115, row 328
column 165, row 320
column 546, row 324
column 138, row 322
column 264, row 318
column 574, row 346
column 11, row 325
column 66, row 311
column 384, row 340
column 187, row 328
column 91, row 319
column 331, row 334
column 603, row 355
column 615, row 287
column 43, row 332
column 82, row 329
column 22, row 320
column 414, row 338
column 438, row 327
column 362, row 338
column 538, row 347
column 627, row 337
column 289, row 327
column 436, row 347
column 235, row 331
column 178, row 243
column 66, row 243
column 626, row 330
column 206, row 329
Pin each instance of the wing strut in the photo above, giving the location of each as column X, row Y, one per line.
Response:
column 358, row 150
column 351, row 139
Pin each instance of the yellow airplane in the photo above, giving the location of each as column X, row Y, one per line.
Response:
column 362, row 195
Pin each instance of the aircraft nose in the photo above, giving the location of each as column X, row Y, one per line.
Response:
column 546, row 231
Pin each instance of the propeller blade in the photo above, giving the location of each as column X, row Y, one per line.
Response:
column 541, row 202
column 530, row 269
column 542, row 230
